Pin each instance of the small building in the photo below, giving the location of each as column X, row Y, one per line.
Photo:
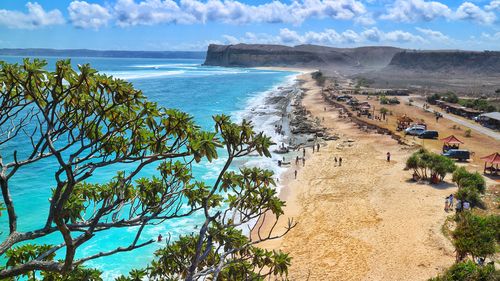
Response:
column 490, row 120
column 457, row 109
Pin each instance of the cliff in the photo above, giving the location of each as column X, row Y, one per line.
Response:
column 252, row 55
column 447, row 61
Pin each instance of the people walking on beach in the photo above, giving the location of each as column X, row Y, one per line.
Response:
column 304, row 152
column 317, row 147
column 335, row 159
column 340, row 161
column 295, row 174
column 297, row 160
column 313, row 148
column 279, row 163
column 388, row 157
column 450, row 198
column 446, row 204
column 303, row 161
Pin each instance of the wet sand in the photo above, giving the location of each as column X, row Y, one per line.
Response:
column 363, row 220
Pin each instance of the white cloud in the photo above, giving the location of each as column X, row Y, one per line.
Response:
column 433, row 34
column 494, row 5
column 85, row 15
column 469, row 11
column 421, row 10
column 328, row 37
column 35, row 18
column 149, row 12
column 416, row 10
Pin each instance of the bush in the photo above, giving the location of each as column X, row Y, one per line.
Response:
column 475, row 236
column 470, row 195
column 464, row 179
column 468, row 133
column 433, row 98
column 469, row 271
column 450, row 97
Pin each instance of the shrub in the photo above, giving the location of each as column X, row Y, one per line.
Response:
column 464, row 179
column 470, row 195
column 475, row 236
column 469, row 271
column 468, row 133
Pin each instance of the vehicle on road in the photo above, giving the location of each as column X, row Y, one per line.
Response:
column 429, row 135
column 459, row 154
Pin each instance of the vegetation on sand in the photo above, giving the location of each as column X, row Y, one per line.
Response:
column 430, row 166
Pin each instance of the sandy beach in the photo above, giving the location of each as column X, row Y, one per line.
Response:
column 364, row 220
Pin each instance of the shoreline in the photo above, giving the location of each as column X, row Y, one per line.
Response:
column 361, row 221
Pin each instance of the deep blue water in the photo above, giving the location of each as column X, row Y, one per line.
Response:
column 184, row 84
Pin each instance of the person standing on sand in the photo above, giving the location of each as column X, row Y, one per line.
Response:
column 295, row 174
column 313, row 147
column 335, row 159
column 388, row 157
column 303, row 161
column 450, row 204
column 297, row 160
column 340, row 161
column 317, row 147
column 159, row 238
column 446, row 204
column 304, row 152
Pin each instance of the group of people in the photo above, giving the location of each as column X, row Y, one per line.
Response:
column 279, row 129
column 459, row 206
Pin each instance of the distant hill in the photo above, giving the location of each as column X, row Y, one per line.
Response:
column 447, row 61
column 104, row 54
column 252, row 55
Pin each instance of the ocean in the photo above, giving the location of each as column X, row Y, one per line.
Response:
column 259, row 95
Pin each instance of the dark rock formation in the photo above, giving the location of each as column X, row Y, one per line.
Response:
column 301, row 56
column 448, row 61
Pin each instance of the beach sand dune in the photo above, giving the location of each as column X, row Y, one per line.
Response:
column 363, row 220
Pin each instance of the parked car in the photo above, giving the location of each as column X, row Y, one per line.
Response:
column 414, row 131
column 459, row 154
column 429, row 135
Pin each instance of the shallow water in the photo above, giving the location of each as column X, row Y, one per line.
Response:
column 184, row 84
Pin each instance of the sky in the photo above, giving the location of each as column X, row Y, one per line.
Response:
column 194, row 24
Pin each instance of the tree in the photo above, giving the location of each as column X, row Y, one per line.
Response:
column 384, row 112
column 428, row 165
column 475, row 236
column 84, row 121
column 470, row 186
column 433, row 98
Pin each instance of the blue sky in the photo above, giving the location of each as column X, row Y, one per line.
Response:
column 193, row 24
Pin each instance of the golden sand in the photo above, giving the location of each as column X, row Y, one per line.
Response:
column 363, row 220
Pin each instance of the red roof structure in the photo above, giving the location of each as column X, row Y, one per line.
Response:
column 493, row 158
column 452, row 140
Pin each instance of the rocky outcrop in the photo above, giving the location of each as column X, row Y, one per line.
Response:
column 447, row 61
column 252, row 55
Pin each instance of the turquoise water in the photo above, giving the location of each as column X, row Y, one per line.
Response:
column 183, row 84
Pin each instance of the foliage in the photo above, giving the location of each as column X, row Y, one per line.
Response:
column 464, row 178
column 469, row 271
column 475, row 235
column 427, row 165
column 85, row 121
column 450, row 97
column 385, row 100
column 470, row 186
column 479, row 104
column 433, row 98
column 468, row 133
